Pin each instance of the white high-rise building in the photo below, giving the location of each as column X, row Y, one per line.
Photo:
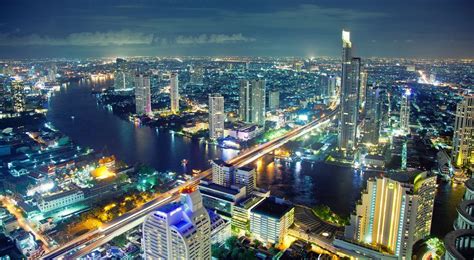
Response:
column 18, row 96
column 246, row 176
column 174, row 93
column 394, row 213
column 222, row 173
column 179, row 230
column 463, row 139
column 252, row 101
column 216, row 116
column 142, row 94
column 405, row 111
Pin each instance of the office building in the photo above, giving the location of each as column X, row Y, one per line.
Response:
column 221, row 198
column 222, row 173
column 274, row 100
column 405, row 111
column 332, row 86
column 349, row 99
column 142, row 95
column 241, row 212
column 463, row 139
column 362, row 89
column 216, row 116
column 252, row 101
column 18, row 96
column 373, row 115
column 393, row 214
column 122, row 77
column 247, row 177
column 270, row 220
column 174, row 93
column 179, row 230
column 52, row 71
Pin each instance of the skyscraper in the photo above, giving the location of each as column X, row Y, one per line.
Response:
column 274, row 100
column 142, row 94
column 405, row 111
column 252, row 101
column 393, row 214
column 216, row 116
column 122, row 78
column 373, row 114
column 174, row 93
column 362, row 89
column 18, row 96
column 349, row 95
column 331, row 88
column 179, row 230
column 52, row 73
column 463, row 139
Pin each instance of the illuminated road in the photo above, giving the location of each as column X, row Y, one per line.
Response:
column 86, row 243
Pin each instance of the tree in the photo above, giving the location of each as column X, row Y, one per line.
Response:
column 230, row 242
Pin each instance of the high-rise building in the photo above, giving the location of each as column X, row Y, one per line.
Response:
column 174, row 93
column 216, row 116
column 222, row 173
column 142, row 94
column 18, row 96
column 246, row 176
column 197, row 75
column 459, row 243
column 362, row 89
column 332, row 86
column 252, row 101
column 274, row 100
column 349, row 96
column 179, row 230
column 122, row 78
column 394, row 213
column 270, row 220
column 463, row 139
column 405, row 111
column 373, row 115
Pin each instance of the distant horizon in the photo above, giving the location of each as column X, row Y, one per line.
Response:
column 277, row 28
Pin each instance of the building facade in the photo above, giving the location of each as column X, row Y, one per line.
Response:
column 349, row 96
column 394, row 213
column 463, row 139
column 405, row 111
column 174, row 93
column 247, row 177
column 252, row 101
column 216, row 116
column 179, row 230
column 18, row 96
column 142, row 95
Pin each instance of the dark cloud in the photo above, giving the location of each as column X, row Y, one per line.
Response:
column 428, row 28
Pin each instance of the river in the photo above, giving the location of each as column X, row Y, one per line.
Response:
column 75, row 112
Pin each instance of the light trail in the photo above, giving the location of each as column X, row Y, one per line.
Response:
column 94, row 239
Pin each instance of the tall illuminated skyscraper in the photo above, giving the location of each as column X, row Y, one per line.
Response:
column 179, row 230
column 216, row 116
column 197, row 75
column 349, row 99
column 463, row 139
column 18, row 96
column 122, row 77
column 142, row 94
column 274, row 100
column 174, row 92
column 405, row 111
column 252, row 101
column 394, row 213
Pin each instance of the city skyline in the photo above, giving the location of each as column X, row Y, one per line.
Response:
column 186, row 28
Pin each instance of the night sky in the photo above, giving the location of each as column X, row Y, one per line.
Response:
column 94, row 28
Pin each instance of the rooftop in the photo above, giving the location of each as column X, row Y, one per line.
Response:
column 273, row 207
